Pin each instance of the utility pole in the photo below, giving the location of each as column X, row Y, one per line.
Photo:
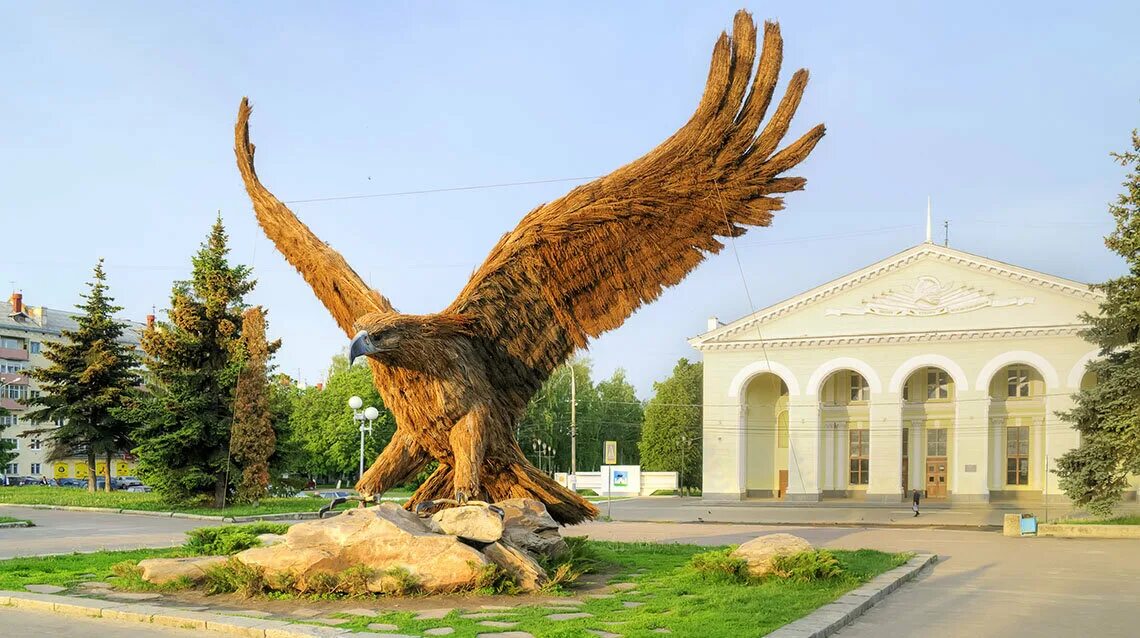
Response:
column 573, row 428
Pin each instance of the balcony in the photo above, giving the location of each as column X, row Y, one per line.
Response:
column 11, row 404
column 14, row 378
column 14, row 354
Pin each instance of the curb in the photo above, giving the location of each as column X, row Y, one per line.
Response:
column 216, row 623
column 288, row 516
column 832, row 617
column 16, row 524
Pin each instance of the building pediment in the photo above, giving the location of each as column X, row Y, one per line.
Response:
column 926, row 292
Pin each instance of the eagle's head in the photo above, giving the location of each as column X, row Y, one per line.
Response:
column 404, row 339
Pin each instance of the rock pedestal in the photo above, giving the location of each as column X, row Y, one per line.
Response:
column 382, row 538
column 762, row 551
column 441, row 554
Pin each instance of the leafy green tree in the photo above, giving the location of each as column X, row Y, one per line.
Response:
column 620, row 415
column 7, row 449
column 90, row 376
column 671, row 435
column 252, row 440
column 323, row 427
column 1107, row 415
column 193, row 361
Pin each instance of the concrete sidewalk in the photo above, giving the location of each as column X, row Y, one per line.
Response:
column 695, row 510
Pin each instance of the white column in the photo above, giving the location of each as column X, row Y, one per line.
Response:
column 1060, row 437
column 886, row 448
column 970, row 462
column 917, row 455
column 803, row 449
column 724, row 452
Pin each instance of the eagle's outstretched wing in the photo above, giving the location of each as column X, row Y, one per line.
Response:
column 581, row 265
column 337, row 285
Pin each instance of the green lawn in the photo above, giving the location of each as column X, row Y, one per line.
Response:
column 9, row 519
column 153, row 503
column 672, row 595
column 1119, row 520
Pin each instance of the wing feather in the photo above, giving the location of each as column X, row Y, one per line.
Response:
column 581, row 265
column 335, row 283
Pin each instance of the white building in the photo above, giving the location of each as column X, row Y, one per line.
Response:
column 933, row 369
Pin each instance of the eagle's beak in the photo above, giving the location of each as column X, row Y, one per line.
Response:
column 361, row 346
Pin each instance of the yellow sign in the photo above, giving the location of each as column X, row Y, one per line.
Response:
column 61, row 470
column 122, row 469
column 81, row 470
column 100, row 468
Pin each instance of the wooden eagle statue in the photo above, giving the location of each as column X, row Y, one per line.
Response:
column 459, row 381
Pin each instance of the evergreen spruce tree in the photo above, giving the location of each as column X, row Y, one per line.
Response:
column 7, row 450
column 671, row 434
column 193, row 360
column 253, row 440
column 1107, row 415
column 90, row 376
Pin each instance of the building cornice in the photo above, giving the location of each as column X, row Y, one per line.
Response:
column 902, row 260
column 893, row 338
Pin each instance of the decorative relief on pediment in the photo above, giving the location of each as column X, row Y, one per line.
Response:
column 928, row 298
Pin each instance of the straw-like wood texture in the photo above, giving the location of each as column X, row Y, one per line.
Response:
column 458, row 381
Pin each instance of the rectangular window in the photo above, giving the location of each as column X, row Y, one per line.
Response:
column 35, row 468
column 860, row 457
column 936, row 442
column 937, row 385
column 906, row 442
column 1017, row 385
column 12, row 468
column 59, row 421
column 11, row 343
column 860, row 391
column 1017, row 455
column 13, row 443
column 782, row 430
column 36, row 444
column 33, row 394
column 906, row 391
column 35, row 347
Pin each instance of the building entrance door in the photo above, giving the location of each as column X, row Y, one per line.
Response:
column 783, row 484
column 906, row 475
column 936, row 477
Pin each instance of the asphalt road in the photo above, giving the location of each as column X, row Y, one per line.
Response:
column 62, row 532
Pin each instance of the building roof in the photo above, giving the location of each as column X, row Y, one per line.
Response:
column 896, row 261
column 50, row 321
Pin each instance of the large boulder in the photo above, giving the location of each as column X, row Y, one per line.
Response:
column 164, row 570
column 473, row 522
column 527, row 525
column 760, row 552
column 383, row 537
column 527, row 573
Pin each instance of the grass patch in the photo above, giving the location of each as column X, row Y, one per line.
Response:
column 151, row 502
column 674, row 592
column 1119, row 520
column 9, row 519
column 71, row 569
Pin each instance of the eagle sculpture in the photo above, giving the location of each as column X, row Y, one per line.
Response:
column 457, row 382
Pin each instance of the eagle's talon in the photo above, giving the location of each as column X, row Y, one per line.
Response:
column 460, row 498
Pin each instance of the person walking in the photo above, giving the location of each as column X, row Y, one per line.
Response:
column 915, row 496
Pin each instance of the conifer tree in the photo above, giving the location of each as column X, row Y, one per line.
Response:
column 1095, row 474
column 253, row 440
column 91, row 374
column 193, row 360
column 7, row 450
column 671, row 434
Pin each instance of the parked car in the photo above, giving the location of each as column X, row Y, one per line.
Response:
column 138, row 488
column 71, row 482
column 330, row 494
column 124, row 482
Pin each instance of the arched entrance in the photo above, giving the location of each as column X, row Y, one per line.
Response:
column 928, row 419
column 766, row 436
column 845, row 439
column 1017, row 431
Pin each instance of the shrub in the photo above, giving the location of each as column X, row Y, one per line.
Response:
column 398, row 581
column 491, row 579
column 720, row 564
column 818, row 564
column 235, row 576
column 587, row 492
column 229, row 539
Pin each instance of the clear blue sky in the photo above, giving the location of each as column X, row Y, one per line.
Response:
column 116, row 124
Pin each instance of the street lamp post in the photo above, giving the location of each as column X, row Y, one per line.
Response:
column 365, row 418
